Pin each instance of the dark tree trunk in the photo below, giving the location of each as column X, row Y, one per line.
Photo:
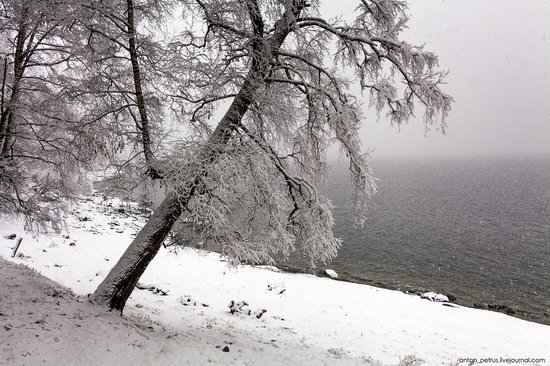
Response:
column 119, row 284
column 114, row 291
column 7, row 121
column 140, row 100
column 3, row 109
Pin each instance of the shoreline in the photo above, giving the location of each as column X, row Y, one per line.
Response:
column 314, row 321
column 540, row 318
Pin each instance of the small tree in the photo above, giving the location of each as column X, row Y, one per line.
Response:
column 251, row 183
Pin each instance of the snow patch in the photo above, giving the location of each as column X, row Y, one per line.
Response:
column 331, row 273
column 432, row 296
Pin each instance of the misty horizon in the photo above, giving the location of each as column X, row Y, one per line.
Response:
column 497, row 55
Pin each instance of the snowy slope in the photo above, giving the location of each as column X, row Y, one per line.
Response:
column 313, row 321
column 45, row 324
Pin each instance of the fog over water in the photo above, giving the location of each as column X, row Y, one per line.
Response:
column 468, row 212
column 498, row 53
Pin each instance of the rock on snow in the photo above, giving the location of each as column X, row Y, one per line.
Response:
column 432, row 296
column 331, row 273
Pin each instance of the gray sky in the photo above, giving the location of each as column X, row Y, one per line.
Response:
column 498, row 52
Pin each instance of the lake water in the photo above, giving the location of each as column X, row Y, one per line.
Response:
column 476, row 229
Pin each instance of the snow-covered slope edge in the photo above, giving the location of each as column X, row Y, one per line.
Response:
column 43, row 323
column 313, row 321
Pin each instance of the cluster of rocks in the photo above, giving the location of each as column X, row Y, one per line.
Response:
column 241, row 307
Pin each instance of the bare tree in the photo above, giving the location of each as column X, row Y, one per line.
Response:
column 41, row 149
column 73, row 88
column 123, row 77
column 251, row 184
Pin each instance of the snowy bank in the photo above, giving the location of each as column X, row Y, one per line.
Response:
column 307, row 319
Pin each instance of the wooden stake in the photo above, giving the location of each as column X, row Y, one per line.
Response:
column 16, row 247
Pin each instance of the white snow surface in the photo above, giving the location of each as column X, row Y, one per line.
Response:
column 315, row 321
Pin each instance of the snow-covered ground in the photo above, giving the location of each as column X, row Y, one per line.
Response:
column 307, row 320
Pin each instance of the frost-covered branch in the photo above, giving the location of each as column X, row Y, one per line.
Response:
column 371, row 40
column 247, row 183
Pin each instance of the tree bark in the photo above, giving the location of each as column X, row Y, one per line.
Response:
column 140, row 100
column 7, row 120
column 114, row 291
column 3, row 116
column 120, row 282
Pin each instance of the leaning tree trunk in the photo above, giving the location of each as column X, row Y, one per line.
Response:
column 120, row 282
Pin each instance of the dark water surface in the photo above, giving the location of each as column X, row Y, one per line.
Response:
column 477, row 229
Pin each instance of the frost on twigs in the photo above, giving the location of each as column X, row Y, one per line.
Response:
column 410, row 360
column 254, row 195
column 372, row 46
column 251, row 208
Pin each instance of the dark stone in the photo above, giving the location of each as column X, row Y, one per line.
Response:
column 501, row 308
column 225, row 349
column 481, row 306
column 11, row 236
column 451, row 298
